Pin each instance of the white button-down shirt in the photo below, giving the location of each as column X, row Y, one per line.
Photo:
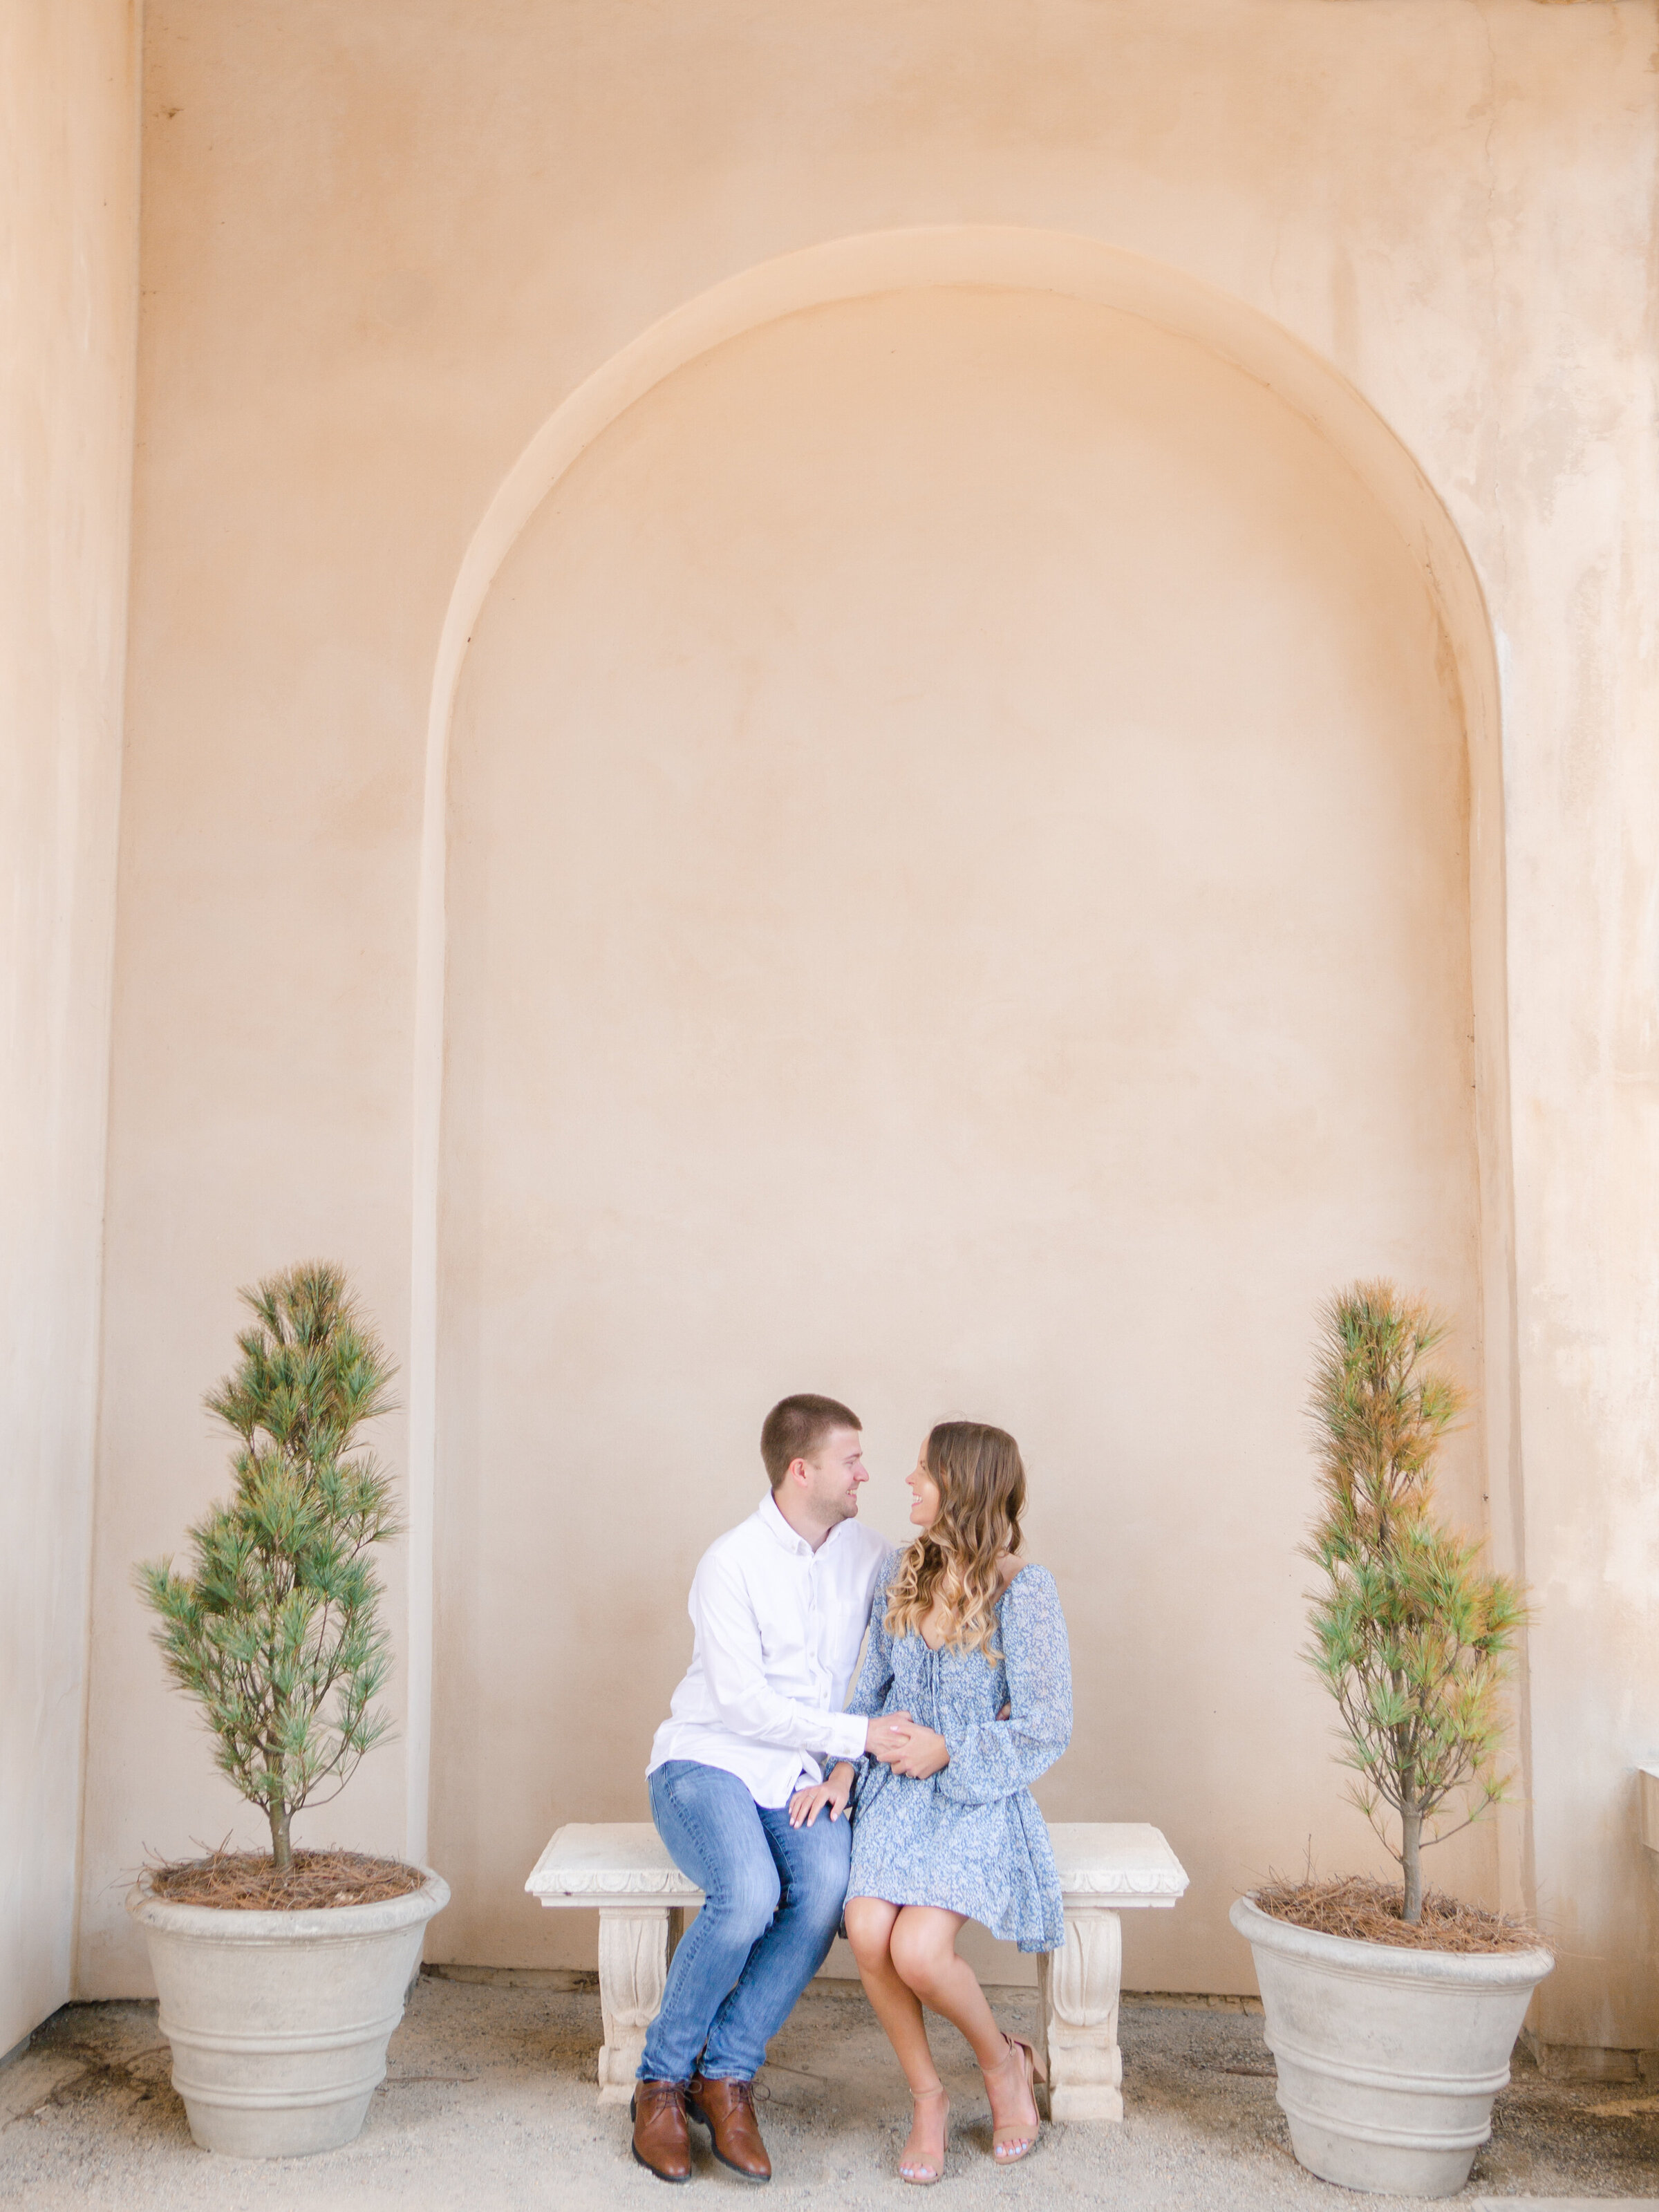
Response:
column 778, row 1629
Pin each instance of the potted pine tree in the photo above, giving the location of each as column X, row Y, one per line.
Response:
column 282, row 1975
column 1392, row 2012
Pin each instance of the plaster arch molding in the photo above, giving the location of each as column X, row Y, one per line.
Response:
column 1012, row 260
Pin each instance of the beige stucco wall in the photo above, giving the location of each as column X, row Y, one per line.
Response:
column 69, row 238
column 919, row 785
column 378, row 255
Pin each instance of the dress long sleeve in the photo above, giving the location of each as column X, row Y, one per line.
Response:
column 993, row 1759
column 875, row 1681
column 874, row 1687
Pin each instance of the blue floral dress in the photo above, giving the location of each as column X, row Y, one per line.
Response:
column 969, row 1838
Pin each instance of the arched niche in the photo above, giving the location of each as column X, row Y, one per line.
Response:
column 963, row 550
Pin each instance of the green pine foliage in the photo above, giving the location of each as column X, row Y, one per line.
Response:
column 1411, row 1635
column 275, row 1628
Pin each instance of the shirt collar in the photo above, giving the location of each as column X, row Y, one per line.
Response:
column 778, row 1528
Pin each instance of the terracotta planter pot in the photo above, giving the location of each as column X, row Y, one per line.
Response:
column 279, row 2020
column 1388, row 2059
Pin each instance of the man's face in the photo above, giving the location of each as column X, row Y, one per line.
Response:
column 834, row 1474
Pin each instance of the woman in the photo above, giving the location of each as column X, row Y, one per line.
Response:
column 970, row 1642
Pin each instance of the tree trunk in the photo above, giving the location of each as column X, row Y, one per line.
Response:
column 282, row 1853
column 1411, row 1865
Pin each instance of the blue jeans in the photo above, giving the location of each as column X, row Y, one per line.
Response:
column 774, row 1897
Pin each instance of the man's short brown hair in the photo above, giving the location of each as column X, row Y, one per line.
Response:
column 795, row 1428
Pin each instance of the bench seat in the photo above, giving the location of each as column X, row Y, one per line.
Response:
column 622, row 1869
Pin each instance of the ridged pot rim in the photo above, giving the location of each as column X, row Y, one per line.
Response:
column 321, row 1923
column 1391, row 1962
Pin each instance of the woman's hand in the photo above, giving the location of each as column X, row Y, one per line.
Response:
column 922, row 1752
column 807, row 1804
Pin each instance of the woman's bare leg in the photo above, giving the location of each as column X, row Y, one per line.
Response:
column 921, row 1944
column 869, row 1925
column 870, row 1921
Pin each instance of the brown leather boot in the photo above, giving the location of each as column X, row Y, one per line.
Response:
column 659, row 2136
column 726, row 2109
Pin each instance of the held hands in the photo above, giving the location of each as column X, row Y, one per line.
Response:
column 807, row 1804
column 886, row 1735
column 895, row 1738
column 922, row 1752
column 907, row 1747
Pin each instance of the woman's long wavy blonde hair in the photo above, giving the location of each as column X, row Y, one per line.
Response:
column 955, row 1562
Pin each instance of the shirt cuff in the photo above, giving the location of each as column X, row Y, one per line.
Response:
column 845, row 1739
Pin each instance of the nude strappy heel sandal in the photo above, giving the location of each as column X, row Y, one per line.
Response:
column 1010, row 2144
column 921, row 2171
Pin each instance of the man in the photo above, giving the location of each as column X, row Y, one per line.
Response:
column 778, row 1606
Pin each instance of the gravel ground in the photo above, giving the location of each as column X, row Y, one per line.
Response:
column 489, row 2103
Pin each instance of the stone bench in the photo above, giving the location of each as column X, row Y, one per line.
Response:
column 622, row 1870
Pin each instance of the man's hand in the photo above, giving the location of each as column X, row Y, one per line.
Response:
column 886, row 1735
column 807, row 1804
column 922, row 1754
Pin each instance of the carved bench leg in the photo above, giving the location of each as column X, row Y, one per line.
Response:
column 1078, row 1992
column 635, row 1941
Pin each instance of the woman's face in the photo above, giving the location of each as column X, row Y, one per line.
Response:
column 924, row 1493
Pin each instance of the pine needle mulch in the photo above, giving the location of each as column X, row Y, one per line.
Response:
column 1368, row 1910
column 246, row 1882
